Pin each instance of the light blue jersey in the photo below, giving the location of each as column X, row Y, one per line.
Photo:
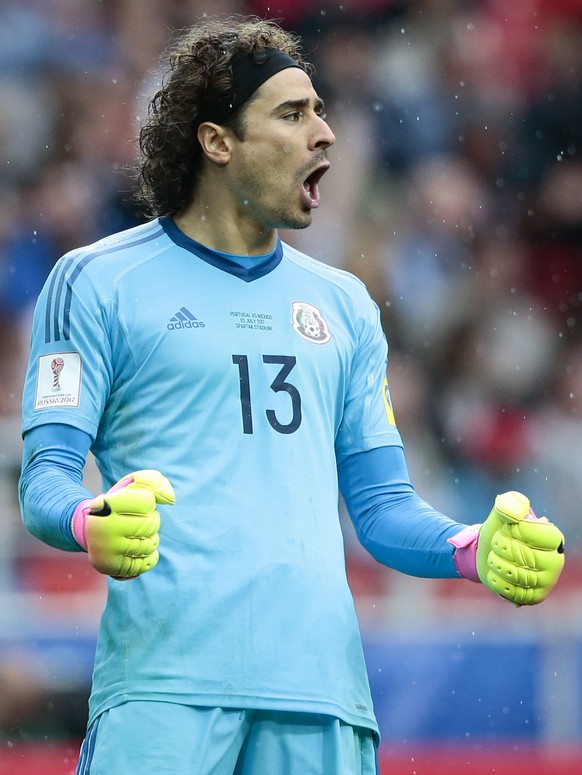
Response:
column 245, row 385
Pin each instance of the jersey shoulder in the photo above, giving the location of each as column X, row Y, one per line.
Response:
column 345, row 283
column 93, row 273
column 115, row 252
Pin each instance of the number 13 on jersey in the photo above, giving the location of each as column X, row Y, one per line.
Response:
column 279, row 384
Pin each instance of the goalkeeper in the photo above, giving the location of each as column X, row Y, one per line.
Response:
column 228, row 386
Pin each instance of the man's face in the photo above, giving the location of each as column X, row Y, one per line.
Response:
column 275, row 170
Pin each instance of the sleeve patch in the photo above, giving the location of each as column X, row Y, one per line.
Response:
column 58, row 380
column 388, row 403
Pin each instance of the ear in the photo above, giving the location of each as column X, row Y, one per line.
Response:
column 215, row 141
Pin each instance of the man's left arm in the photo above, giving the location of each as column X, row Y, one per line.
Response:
column 513, row 553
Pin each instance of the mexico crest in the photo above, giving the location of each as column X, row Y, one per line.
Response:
column 308, row 321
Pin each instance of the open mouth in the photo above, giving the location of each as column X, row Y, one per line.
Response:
column 311, row 186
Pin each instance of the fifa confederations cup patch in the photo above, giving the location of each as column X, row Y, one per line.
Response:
column 58, row 380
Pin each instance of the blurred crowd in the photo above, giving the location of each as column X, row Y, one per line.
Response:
column 455, row 194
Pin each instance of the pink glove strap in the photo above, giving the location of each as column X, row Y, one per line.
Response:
column 81, row 511
column 78, row 523
column 465, row 556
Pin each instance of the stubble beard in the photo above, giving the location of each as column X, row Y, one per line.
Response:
column 286, row 221
column 273, row 218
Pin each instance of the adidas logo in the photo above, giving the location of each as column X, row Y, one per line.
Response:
column 184, row 319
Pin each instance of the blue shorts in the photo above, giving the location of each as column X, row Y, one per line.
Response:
column 161, row 738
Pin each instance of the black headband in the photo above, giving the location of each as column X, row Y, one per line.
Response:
column 249, row 71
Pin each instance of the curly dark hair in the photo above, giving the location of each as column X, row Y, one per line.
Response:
column 198, row 71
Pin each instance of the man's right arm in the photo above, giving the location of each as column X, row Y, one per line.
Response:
column 119, row 529
column 50, row 486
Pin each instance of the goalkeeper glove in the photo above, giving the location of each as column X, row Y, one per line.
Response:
column 119, row 529
column 515, row 554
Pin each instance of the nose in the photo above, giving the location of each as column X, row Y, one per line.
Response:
column 323, row 136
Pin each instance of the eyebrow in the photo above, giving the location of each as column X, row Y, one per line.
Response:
column 301, row 103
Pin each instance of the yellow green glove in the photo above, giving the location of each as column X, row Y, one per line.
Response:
column 519, row 556
column 119, row 529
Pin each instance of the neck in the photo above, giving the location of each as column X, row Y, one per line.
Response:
column 218, row 224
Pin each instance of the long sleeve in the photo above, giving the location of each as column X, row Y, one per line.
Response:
column 50, row 484
column 392, row 522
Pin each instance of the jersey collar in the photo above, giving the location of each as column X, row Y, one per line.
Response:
column 235, row 265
